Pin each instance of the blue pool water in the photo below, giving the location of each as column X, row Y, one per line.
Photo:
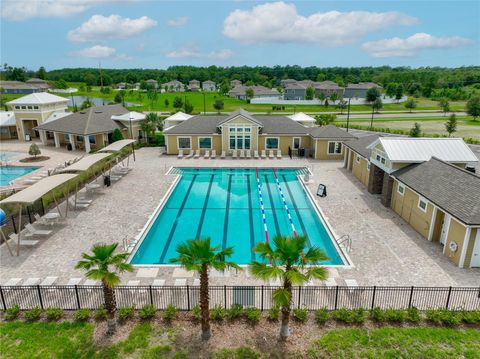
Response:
column 224, row 204
column 9, row 173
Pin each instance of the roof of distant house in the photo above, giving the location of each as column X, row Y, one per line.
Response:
column 35, row 80
column 87, row 122
column 363, row 85
column 451, row 188
column 39, row 98
column 410, row 150
column 240, row 90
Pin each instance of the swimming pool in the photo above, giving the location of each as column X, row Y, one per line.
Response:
column 224, row 204
column 10, row 173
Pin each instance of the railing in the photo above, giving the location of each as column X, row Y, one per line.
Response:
column 185, row 297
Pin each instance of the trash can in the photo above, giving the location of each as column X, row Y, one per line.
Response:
column 301, row 152
column 106, row 181
column 27, row 137
column 69, row 147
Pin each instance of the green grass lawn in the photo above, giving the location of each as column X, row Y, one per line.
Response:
column 398, row 343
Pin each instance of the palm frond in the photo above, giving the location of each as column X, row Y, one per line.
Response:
column 318, row 273
column 265, row 272
column 281, row 297
column 296, row 277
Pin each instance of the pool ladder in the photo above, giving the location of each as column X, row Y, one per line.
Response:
column 346, row 242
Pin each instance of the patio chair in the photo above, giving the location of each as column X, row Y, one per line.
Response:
column 180, row 154
column 223, row 155
column 48, row 281
column 191, row 154
column 23, row 242
column 74, row 281
column 255, row 154
column 180, row 282
column 197, row 154
column 234, row 154
column 242, row 153
column 158, row 282
column 207, row 154
column 279, row 154
column 214, row 154
column 263, row 154
column 32, row 231
column 270, row 154
column 78, row 205
column 248, row 154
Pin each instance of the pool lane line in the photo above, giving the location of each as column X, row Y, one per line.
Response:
column 284, row 202
column 204, row 208
column 179, row 213
column 250, row 218
column 262, row 207
column 274, row 212
column 295, row 207
column 227, row 208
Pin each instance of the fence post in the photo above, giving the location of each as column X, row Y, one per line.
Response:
column 40, row 296
column 411, row 297
column 225, row 296
column 336, row 297
column 262, row 299
column 373, row 296
column 448, row 297
column 151, row 294
column 78, row 297
column 188, row 297
column 3, row 299
column 299, row 295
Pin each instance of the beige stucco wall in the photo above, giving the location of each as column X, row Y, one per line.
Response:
column 284, row 142
column 172, row 144
column 321, row 150
column 471, row 244
column 407, row 207
column 360, row 169
column 239, row 120
column 456, row 233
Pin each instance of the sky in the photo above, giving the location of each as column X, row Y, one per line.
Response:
column 157, row 34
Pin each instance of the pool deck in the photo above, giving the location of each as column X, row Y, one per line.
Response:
column 385, row 250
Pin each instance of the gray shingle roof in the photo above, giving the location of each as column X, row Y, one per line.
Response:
column 196, row 125
column 239, row 112
column 329, row 131
column 87, row 122
column 451, row 188
column 359, row 145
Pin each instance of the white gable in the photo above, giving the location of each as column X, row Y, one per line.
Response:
column 301, row 117
column 179, row 116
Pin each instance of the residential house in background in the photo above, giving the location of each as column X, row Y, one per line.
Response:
column 209, row 86
column 240, row 92
column 18, row 87
column 234, row 83
column 8, row 125
column 285, row 82
column 121, row 86
column 194, row 85
column 39, row 83
column 360, row 90
column 174, row 86
column 328, row 88
column 297, row 90
column 241, row 130
column 34, row 109
column 152, row 83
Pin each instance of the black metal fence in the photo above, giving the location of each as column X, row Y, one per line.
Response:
column 185, row 297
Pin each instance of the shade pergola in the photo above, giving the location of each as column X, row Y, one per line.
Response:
column 33, row 193
column 85, row 163
column 117, row 146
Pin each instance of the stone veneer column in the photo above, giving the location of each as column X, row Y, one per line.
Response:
column 43, row 137
column 375, row 181
column 56, row 137
column 387, row 190
column 86, row 140
column 71, row 138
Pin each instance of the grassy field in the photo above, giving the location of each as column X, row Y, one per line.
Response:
column 466, row 127
column 154, row 340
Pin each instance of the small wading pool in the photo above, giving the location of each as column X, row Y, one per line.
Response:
column 10, row 173
column 224, row 204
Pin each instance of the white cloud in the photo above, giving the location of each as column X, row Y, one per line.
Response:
column 95, row 52
column 191, row 51
column 279, row 22
column 178, row 22
column 397, row 47
column 18, row 10
column 100, row 28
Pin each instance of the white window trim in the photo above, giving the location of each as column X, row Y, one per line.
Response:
column 422, row 199
column 334, row 154
column 299, row 142
column 278, row 143
column 368, row 166
column 402, row 186
column 178, row 142
column 207, row 148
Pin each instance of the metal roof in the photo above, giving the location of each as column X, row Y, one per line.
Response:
column 85, row 163
column 133, row 115
column 38, row 98
column 301, row 117
column 414, row 150
column 179, row 116
column 116, row 146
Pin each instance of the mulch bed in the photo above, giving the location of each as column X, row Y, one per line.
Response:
column 34, row 159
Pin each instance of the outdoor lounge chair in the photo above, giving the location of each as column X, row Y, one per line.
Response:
column 214, row 154
column 242, row 153
column 223, row 154
column 180, row 154
column 180, row 282
column 279, row 154
column 331, row 282
column 32, row 231
column 23, row 242
column 31, row 281
column 249, row 154
column 48, row 281
column 263, row 154
column 234, row 154
column 207, row 154
column 158, row 282
column 255, row 154
column 197, row 154
column 190, row 154
column 77, row 205
column 74, row 281
column 270, row 154
column 12, row 282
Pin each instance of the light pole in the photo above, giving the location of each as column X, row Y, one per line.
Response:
column 348, row 112
column 131, row 135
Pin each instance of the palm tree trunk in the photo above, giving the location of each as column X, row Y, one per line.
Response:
column 284, row 328
column 204, row 303
column 111, row 307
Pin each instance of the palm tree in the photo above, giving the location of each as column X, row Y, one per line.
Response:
column 198, row 255
column 99, row 267
column 289, row 263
